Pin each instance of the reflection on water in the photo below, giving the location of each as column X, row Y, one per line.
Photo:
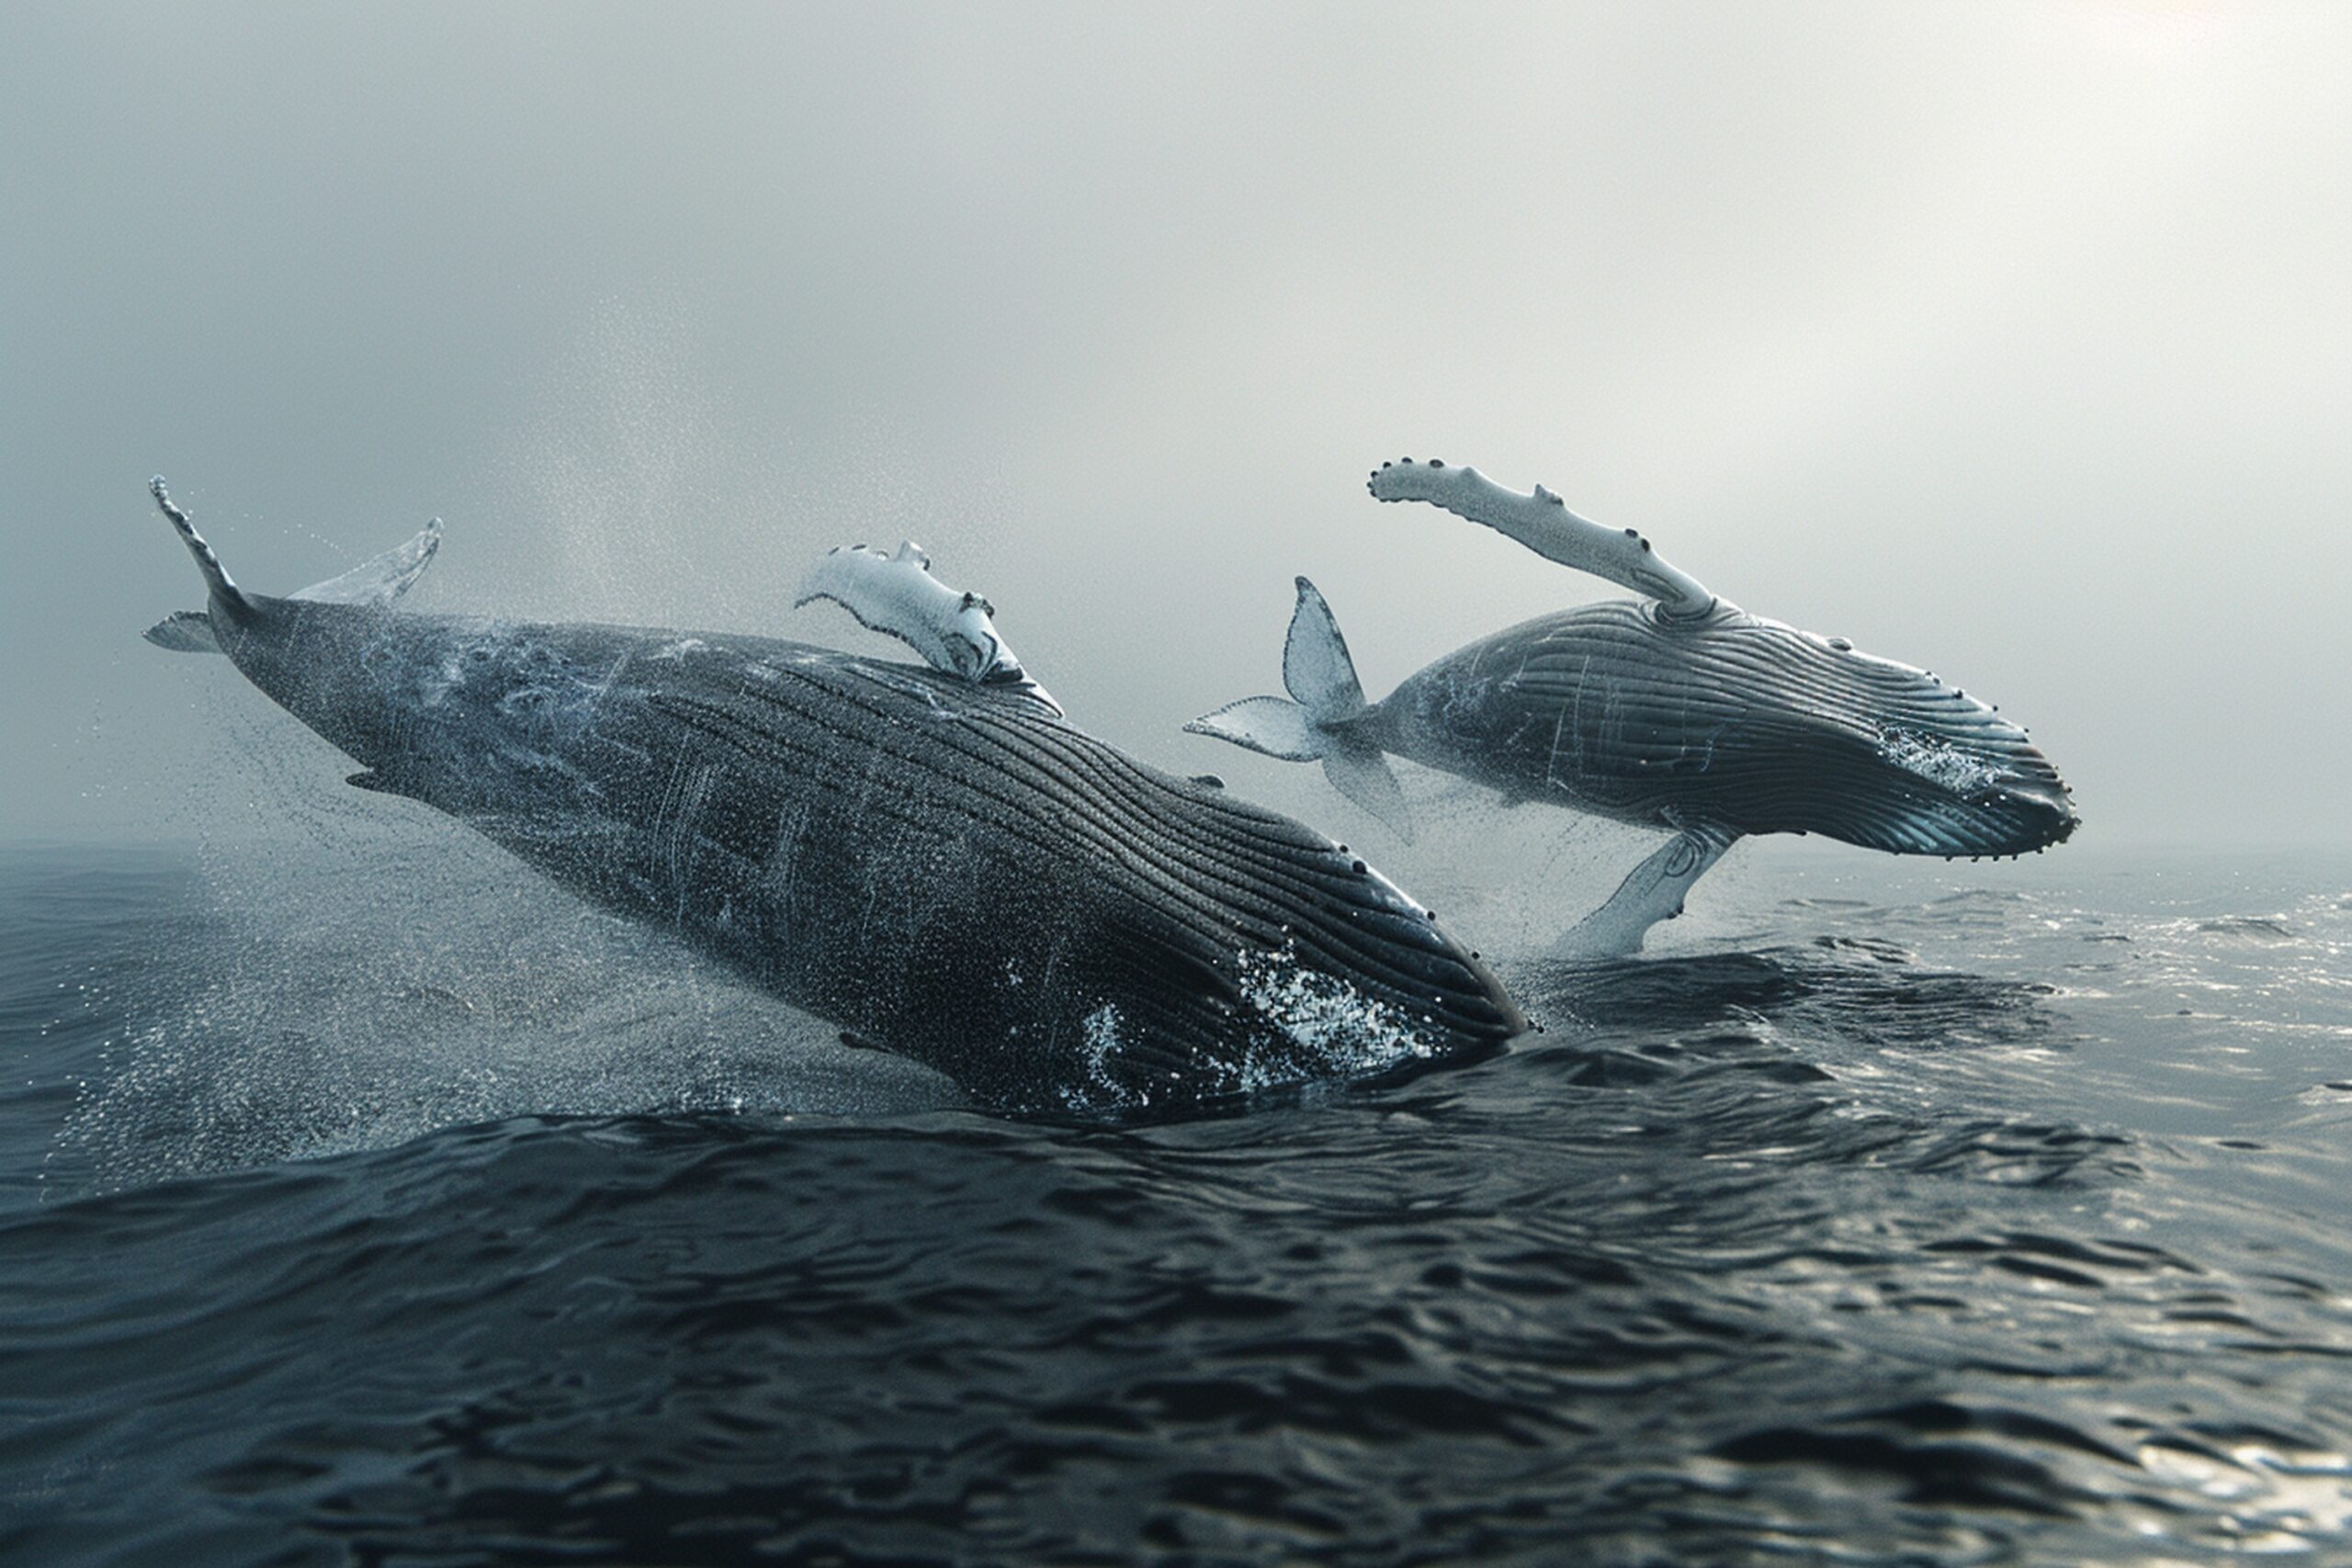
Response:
column 1858, row 988
column 424, row 1218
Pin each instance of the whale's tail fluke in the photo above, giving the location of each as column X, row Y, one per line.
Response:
column 1322, row 718
column 216, row 576
column 377, row 581
column 183, row 631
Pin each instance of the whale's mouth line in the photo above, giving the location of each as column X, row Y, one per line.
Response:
column 1989, row 790
column 2014, row 791
column 1977, row 791
column 2010, row 819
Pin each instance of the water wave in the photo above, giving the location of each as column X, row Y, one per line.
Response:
column 1837, row 1250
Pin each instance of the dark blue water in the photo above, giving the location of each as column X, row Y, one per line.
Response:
column 384, row 1208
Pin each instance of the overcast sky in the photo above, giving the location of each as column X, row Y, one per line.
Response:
column 2014, row 341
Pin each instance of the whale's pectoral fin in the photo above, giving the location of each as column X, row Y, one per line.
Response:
column 379, row 580
column 185, row 631
column 895, row 595
column 1651, row 892
column 1543, row 524
column 378, row 783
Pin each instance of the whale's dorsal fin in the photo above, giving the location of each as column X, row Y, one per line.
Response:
column 381, row 580
column 1543, row 524
column 895, row 595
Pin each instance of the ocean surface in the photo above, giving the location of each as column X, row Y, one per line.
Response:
column 363, row 1201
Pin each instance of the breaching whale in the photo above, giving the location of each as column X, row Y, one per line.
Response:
column 933, row 859
column 1678, row 711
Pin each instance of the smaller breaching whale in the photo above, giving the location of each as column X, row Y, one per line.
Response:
column 932, row 858
column 1678, row 711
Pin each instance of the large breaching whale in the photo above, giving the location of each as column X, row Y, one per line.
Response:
column 1678, row 711
column 932, row 858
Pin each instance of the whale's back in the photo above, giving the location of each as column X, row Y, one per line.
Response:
column 1735, row 721
column 1084, row 905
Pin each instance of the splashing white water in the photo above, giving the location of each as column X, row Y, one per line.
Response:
column 1939, row 761
column 1329, row 1029
column 412, row 978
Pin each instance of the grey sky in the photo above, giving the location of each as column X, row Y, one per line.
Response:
column 2014, row 341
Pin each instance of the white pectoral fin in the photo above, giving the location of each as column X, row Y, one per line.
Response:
column 1273, row 725
column 1652, row 892
column 379, row 580
column 897, row 595
column 1543, row 524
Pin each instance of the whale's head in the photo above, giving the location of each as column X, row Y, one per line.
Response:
column 1960, row 781
column 1873, row 751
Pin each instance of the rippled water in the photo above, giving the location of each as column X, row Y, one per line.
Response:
column 351, row 1212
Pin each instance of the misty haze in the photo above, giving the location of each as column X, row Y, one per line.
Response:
column 602, row 1060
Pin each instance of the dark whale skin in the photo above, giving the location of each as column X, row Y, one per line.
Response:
column 945, row 869
column 1728, row 721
